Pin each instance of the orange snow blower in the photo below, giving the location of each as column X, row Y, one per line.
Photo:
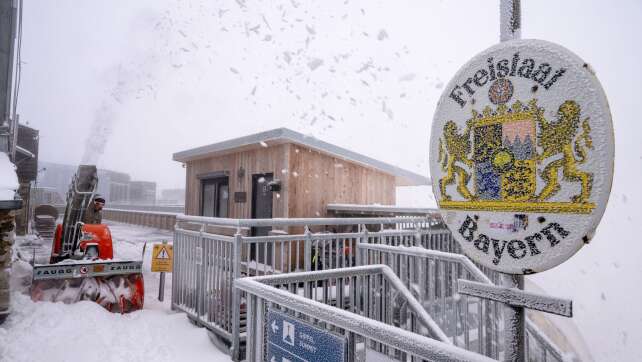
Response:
column 81, row 266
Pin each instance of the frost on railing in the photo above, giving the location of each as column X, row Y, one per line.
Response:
column 422, row 254
column 471, row 323
column 358, row 303
column 156, row 219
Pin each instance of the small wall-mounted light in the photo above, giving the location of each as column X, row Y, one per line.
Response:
column 274, row 185
column 240, row 173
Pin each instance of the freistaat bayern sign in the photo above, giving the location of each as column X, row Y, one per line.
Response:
column 521, row 155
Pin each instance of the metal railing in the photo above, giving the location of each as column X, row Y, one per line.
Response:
column 365, row 305
column 174, row 209
column 202, row 277
column 207, row 263
column 469, row 322
column 156, row 219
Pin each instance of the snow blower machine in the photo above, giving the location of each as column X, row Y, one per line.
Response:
column 82, row 265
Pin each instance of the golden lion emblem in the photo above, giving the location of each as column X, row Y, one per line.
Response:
column 501, row 149
column 457, row 150
column 559, row 138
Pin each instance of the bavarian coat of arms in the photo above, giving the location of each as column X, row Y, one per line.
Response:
column 508, row 151
column 521, row 156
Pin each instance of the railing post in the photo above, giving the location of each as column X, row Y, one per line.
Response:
column 417, row 235
column 236, row 298
column 362, row 239
column 200, row 290
column 176, row 273
column 250, row 322
column 307, row 253
column 256, row 338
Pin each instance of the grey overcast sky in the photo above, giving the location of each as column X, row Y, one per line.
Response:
column 148, row 78
column 163, row 76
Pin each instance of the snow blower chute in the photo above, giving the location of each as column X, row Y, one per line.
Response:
column 81, row 265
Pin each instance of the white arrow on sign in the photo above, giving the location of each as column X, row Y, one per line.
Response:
column 274, row 327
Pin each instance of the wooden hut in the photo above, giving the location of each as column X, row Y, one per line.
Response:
column 285, row 174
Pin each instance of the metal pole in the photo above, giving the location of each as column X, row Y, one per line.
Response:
column 236, row 297
column 161, row 285
column 510, row 28
column 514, row 323
column 510, row 20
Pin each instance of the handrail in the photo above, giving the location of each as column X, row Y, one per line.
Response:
column 162, row 213
column 299, row 221
column 416, row 307
column 419, row 251
column 543, row 339
column 382, row 208
column 472, row 269
column 415, row 344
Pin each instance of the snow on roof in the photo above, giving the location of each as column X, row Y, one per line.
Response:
column 8, row 178
column 285, row 135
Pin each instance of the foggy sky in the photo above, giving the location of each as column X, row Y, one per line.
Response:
column 165, row 76
column 201, row 72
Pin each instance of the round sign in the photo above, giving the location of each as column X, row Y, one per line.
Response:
column 521, row 156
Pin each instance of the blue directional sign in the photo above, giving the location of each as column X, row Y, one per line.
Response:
column 293, row 340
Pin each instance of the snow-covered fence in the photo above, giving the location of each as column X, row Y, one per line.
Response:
column 365, row 305
column 471, row 323
column 202, row 278
column 156, row 219
column 211, row 253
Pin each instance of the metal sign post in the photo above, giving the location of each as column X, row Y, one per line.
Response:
column 162, row 259
column 510, row 24
column 161, row 284
column 510, row 20
column 514, row 322
column 516, row 174
column 161, row 287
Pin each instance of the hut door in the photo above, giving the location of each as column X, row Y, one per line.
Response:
column 261, row 209
column 261, row 201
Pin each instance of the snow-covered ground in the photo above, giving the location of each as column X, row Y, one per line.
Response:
column 86, row 332
column 41, row 331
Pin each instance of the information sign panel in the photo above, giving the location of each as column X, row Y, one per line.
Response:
column 293, row 340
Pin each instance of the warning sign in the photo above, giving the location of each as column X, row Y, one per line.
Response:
column 162, row 256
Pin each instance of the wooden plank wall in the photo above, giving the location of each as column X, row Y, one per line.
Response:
column 263, row 160
column 310, row 180
column 317, row 179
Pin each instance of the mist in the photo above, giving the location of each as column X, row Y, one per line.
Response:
column 127, row 84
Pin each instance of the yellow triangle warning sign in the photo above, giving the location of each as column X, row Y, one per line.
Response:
column 162, row 256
